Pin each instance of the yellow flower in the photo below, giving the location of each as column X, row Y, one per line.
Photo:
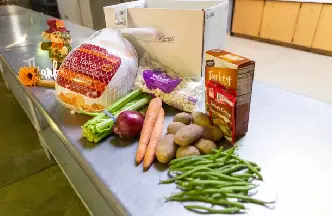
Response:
column 28, row 76
column 60, row 24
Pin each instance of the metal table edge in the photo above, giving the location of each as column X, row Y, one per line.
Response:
column 112, row 201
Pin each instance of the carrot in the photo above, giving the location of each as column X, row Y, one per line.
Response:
column 154, row 139
column 149, row 122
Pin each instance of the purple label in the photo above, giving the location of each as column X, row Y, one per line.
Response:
column 194, row 100
column 155, row 79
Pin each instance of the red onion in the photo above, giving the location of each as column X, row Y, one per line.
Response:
column 128, row 124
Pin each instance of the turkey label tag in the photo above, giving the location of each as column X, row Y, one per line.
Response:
column 120, row 17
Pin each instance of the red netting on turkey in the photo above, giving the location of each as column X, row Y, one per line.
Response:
column 97, row 73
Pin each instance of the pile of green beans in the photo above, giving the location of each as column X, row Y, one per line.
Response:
column 221, row 179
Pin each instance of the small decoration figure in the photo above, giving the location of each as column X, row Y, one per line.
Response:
column 30, row 76
column 59, row 41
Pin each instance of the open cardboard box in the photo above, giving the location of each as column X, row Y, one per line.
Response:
column 186, row 29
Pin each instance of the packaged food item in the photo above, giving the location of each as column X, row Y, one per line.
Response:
column 97, row 73
column 235, row 73
column 222, row 102
column 174, row 90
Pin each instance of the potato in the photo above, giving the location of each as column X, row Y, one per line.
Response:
column 205, row 146
column 185, row 151
column 201, row 119
column 188, row 134
column 183, row 117
column 212, row 133
column 166, row 149
column 173, row 127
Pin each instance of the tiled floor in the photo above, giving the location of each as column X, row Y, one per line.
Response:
column 30, row 184
column 298, row 71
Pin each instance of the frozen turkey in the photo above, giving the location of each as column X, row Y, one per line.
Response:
column 97, row 73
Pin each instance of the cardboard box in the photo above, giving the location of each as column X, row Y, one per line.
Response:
column 186, row 30
column 235, row 73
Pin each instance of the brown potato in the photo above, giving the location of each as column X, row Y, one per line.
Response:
column 205, row 146
column 173, row 127
column 185, row 151
column 188, row 134
column 166, row 149
column 201, row 119
column 212, row 133
column 183, row 117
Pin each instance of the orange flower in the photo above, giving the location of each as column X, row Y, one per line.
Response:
column 60, row 24
column 29, row 76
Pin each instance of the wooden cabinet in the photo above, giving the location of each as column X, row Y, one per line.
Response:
column 323, row 37
column 279, row 20
column 307, row 24
column 301, row 25
column 247, row 17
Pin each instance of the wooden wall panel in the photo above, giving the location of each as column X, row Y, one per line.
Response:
column 279, row 20
column 307, row 24
column 323, row 37
column 247, row 17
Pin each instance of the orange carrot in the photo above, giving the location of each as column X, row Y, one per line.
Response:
column 149, row 122
column 154, row 139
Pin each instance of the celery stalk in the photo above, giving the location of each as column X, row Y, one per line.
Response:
column 116, row 105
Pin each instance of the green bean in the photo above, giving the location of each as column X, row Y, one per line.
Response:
column 189, row 179
column 177, row 160
column 202, row 162
column 239, row 159
column 221, row 159
column 216, row 195
column 181, row 182
column 224, row 167
column 231, row 161
column 217, row 154
column 234, row 168
column 229, row 153
column 185, row 169
column 203, row 174
column 185, row 163
column 195, row 208
column 207, row 191
column 168, row 181
column 218, row 183
column 188, row 168
column 204, row 191
column 208, row 182
column 183, row 188
column 253, row 169
column 182, row 176
column 236, row 157
column 207, row 200
column 213, row 165
column 233, row 148
column 224, row 177
column 239, row 183
column 239, row 188
column 244, row 175
column 184, row 184
column 248, row 199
